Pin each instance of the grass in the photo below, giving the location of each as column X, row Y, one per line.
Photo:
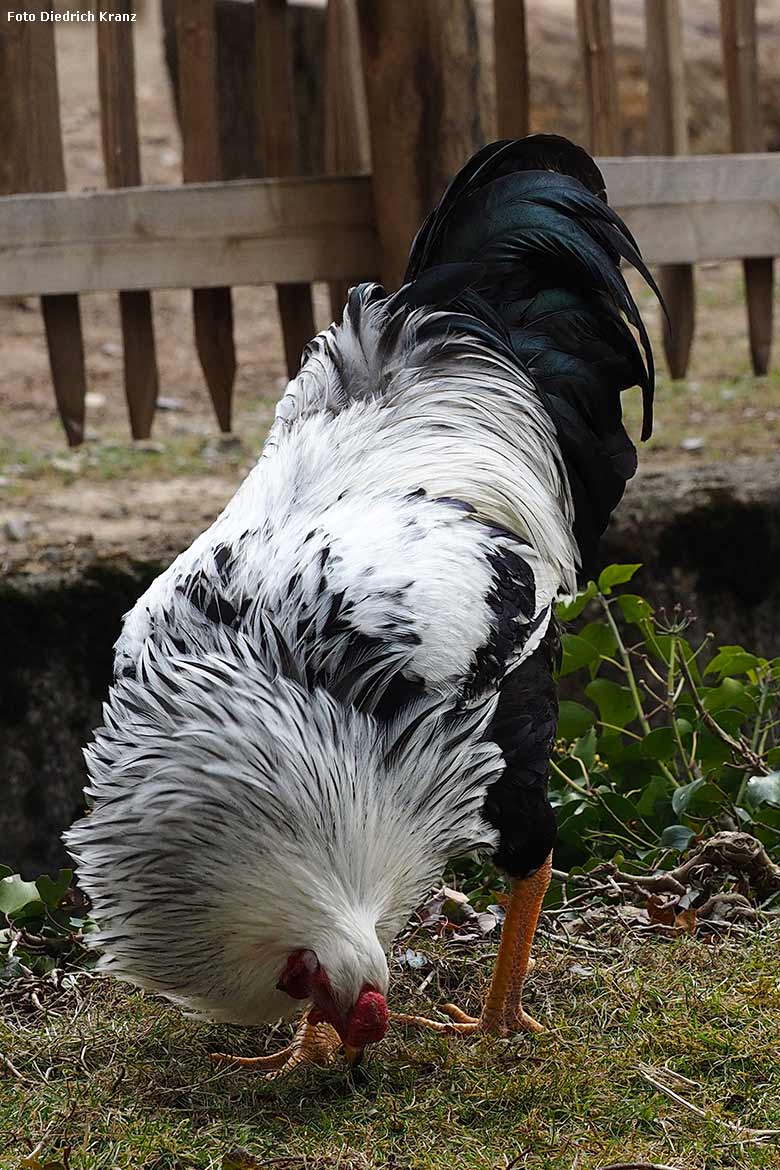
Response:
column 45, row 463
column 109, row 1078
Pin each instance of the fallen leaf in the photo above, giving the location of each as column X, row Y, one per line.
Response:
column 686, row 920
column 487, row 922
column 660, row 910
column 239, row 1159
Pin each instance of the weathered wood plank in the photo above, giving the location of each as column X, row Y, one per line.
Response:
column 242, row 232
column 700, row 232
column 740, row 56
column 347, row 139
column 667, row 133
column 281, row 156
column 594, row 21
column 421, row 68
column 683, row 210
column 703, row 178
column 64, row 337
column 513, row 99
column 30, row 70
column 119, row 127
column 212, row 307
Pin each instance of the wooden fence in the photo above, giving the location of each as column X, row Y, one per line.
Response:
column 209, row 234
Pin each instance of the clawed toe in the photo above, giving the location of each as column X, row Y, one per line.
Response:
column 313, row 1044
column 455, row 1013
column 462, row 1024
column 522, row 1022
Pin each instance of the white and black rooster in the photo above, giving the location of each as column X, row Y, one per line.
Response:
column 348, row 679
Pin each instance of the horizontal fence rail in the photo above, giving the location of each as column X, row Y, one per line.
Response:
column 699, row 208
column 682, row 210
column 197, row 236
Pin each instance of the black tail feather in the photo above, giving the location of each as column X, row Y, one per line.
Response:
column 524, row 240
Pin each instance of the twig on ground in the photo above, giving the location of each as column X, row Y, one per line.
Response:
column 14, row 1071
column 652, row 1076
column 731, row 852
column 670, row 1092
column 639, row 1166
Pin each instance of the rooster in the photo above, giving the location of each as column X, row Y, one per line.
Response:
column 349, row 677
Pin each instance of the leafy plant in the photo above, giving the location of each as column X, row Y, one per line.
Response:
column 41, row 927
column 670, row 742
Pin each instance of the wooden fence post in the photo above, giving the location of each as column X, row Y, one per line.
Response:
column 667, row 133
column 421, row 66
column 116, row 78
column 594, row 20
column 347, row 140
column 212, row 307
column 738, row 32
column 512, row 78
column 280, row 153
column 33, row 112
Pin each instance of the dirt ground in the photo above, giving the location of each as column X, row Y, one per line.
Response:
column 112, row 494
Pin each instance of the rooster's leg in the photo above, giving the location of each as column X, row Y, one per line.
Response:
column 311, row 1044
column 503, row 1011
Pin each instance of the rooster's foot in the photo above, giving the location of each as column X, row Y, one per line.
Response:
column 312, row 1044
column 462, row 1024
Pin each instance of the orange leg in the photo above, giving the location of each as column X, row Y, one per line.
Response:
column 311, row 1044
column 503, row 1011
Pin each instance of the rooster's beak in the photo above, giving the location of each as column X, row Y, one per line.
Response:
column 352, row 1056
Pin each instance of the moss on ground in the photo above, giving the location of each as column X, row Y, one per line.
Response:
column 106, row 1077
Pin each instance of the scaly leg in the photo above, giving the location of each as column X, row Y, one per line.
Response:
column 503, row 1012
column 535, row 888
column 311, row 1044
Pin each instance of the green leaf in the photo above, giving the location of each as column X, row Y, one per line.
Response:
column 622, row 809
column 567, row 611
column 577, row 652
column 730, row 693
column 600, row 635
column 585, row 748
column 615, row 704
column 635, row 609
column 731, row 721
column 682, row 797
column 655, row 799
column 711, row 752
column 768, row 816
column 658, row 744
column 616, row 575
column 53, row 891
column 15, row 894
column 677, row 837
column 706, row 801
column 572, row 829
column 573, row 719
column 731, row 660
column 764, row 789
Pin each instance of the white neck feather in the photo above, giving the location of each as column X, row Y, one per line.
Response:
column 239, row 818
